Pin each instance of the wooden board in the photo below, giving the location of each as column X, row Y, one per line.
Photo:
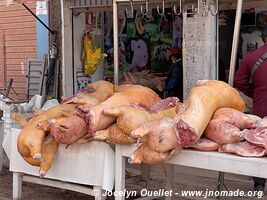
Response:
column 19, row 28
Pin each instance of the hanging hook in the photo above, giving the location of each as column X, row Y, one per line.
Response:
column 217, row 8
column 163, row 8
column 193, row 9
column 175, row 10
column 132, row 9
column 144, row 13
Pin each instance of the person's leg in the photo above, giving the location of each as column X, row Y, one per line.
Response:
column 259, row 183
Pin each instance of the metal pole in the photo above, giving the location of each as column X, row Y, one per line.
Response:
column 116, row 42
column 1, row 141
column 53, row 32
column 235, row 42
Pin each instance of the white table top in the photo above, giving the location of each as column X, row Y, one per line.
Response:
column 212, row 161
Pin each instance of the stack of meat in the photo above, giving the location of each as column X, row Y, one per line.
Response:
column 78, row 116
column 128, row 114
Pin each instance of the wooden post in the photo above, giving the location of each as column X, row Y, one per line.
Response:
column 116, row 42
column 4, row 58
column 67, row 58
column 235, row 42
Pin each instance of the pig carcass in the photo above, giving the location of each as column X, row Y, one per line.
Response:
column 243, row 148
column 205, row 144
column 158, row 142
column 113, row 135
column 227, row 124
column 207, row 96
column 145, row 79
column 21, row 119
column 97, row 120
column 101, row 91
column 65, row 129
column 130, row 117
column 31, row 139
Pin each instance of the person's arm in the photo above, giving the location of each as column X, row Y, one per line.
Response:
column 242, row 78
column 174, row 78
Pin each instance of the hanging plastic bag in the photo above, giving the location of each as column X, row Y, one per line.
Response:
column 92, row 57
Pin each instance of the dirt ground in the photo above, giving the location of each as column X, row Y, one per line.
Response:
column 133, row 182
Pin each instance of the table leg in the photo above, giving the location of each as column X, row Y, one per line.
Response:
column 17, row 185
column 98, row 192
column 1, row 142
column 169, row 178
column 120, row 172
column 145, row 173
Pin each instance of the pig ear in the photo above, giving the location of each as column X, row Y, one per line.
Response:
column 133, row 43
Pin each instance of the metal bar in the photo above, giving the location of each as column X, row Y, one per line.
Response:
column 1, row 141
column 9, row 86
column 58, row 184
column 235, row 42
column 53, row 32
column 4, row 59
column 116, row 42
column 221, row 181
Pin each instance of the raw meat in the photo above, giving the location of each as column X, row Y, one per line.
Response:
column 257, row 136
column 114, row 135
column 244, row 148
column 202, row 101
column 146, row 79
column 205, row 144
column 146, row 155
column 95, row 117
column 158, row 142
column 263, row 122
column 31, row 138
column 227, row 124
column 101, row 91
column 66, row 130
column 130, row 118
column 21, row 119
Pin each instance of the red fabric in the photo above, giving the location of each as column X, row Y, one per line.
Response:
column 258, row 89
column 174, row 51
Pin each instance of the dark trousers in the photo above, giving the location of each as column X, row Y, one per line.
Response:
column 259, row 181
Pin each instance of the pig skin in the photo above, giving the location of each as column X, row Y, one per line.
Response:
column 101, row 91
column 205, row 144
column 209, row 95
column 113, row 135
column 31, row 138
column 67, row 130
column 49, row 150
column 130, row 118
column 95, row 117
column 158, row 142
column 226, row 126
column 21, row 119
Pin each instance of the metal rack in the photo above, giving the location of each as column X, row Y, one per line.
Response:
column 194, row 11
